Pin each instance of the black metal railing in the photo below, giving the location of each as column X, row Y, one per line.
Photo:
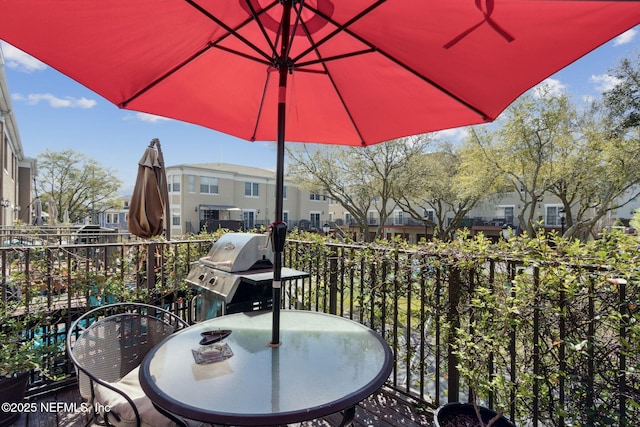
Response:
column 550, row 343
column 58, row 283
column 562, row 339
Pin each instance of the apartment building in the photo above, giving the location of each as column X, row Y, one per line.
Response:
column 16, row 170
column 213, row 195
column 489, row 217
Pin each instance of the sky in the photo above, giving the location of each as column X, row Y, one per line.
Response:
column 55, row 113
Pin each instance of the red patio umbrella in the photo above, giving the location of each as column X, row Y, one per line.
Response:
column 352, row 72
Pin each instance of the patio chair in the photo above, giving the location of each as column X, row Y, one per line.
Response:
column 107, row 345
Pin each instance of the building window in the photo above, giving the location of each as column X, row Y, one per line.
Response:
column 251, row 189
column 285, row 216
column 314, row 218
column 430, row 215
column 174, row 183
column 552, row 217
column 372, row 220
column 208, row 185
column 506, row 214
column 316, row 196
column 112, row 218
column 175, row 219
column 348, row 218
column 284, row 192
column 191, row 183
column 398, row 218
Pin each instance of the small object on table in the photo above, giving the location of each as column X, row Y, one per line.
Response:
column 210, row 337
column 206, row 354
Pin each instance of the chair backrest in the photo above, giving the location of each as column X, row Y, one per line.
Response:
column 110, row 341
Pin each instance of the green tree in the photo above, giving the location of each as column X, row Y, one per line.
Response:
column 622, row 102
column 358, row 178
column 535, row 131
column 545, row 146
column 440, row 188
column 596, row 175
column 76, row 183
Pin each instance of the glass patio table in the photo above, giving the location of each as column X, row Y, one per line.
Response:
column 325, row 364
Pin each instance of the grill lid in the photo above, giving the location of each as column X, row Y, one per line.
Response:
column 235, row 252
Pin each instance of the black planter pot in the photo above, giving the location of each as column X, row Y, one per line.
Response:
column 464, row 414
column 12, row 390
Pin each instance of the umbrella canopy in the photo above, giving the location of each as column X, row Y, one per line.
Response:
column 149, row 201
column 352, row 72
column 362, row 71
column 37, row 212
column 53, row 212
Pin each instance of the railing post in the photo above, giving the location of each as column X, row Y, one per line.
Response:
column 625, row 316
column 333, row 283
column 536, row 344
column 151, row 266
column 453, row 319
column 591, row 332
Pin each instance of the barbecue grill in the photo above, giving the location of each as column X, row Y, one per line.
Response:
column 235, row 276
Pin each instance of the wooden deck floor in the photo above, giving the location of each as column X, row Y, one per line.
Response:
column 55, row 409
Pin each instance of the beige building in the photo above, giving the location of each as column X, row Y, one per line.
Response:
column 213, row 195
column 16, row 171
column 489, row 217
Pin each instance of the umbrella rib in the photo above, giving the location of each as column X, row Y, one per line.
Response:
column 230, row 30
column 322, row 62
column 157, row 81
column 338, row 94
column 340, row 27
column 335, row 57
column 436, row 85
column 419, row 75
column 262, row 100
column 244, row 55
column 345, row 28
column 260, row 25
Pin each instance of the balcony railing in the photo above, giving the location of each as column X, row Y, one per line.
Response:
column 576, row 352
column 563, row 338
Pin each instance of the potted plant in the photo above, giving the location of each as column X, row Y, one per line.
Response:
column 473, row 355
column 20, row 354
column 458, row 414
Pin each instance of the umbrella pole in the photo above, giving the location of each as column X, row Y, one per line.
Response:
column 279, row 227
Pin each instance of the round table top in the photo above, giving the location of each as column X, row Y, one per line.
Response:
column 324, row 364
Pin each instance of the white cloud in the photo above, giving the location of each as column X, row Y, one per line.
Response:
column 604, row 82
column 626, row 37
column 16, row 59
column 454, row 135
column 54, row 101
column 146, row 117
column 549, row 86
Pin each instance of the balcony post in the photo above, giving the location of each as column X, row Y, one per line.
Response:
column 333, row 282
column 453, row 319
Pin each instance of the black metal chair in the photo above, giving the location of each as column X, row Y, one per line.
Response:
column 107, row 345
